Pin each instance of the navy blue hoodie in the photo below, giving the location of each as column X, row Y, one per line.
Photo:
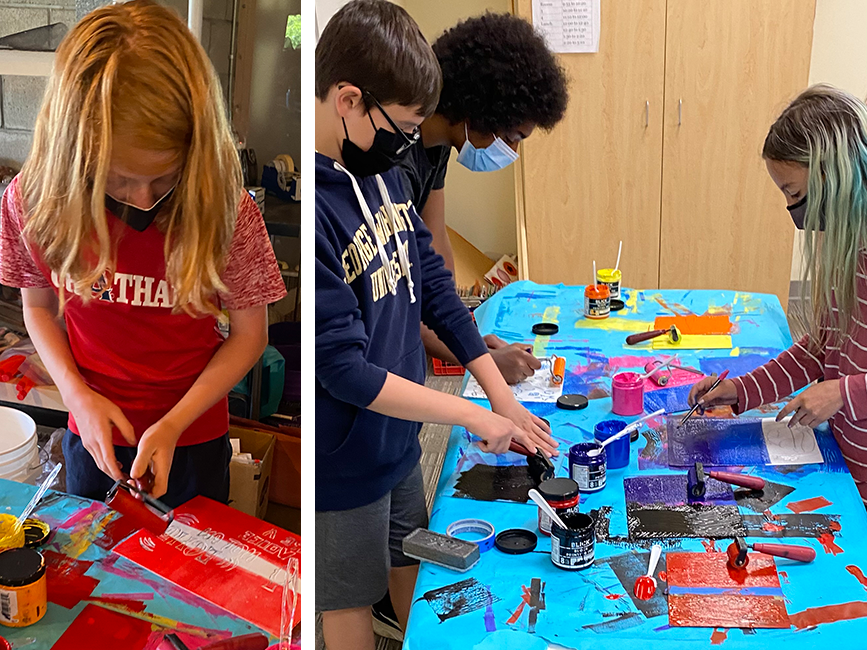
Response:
column 364, row 330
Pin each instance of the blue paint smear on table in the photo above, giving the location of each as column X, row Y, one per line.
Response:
column 575, row 600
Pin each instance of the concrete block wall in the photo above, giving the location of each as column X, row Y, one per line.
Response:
column 20, row 97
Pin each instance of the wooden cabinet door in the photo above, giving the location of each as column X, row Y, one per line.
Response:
column 731, row 67
column 596, row 178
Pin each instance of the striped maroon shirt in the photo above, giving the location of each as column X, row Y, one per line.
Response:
column 845, row 360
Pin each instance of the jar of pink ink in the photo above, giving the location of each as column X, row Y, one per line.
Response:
column 627, row 394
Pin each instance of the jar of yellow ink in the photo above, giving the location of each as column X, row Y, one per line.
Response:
column 11, row 532
column 23, row 595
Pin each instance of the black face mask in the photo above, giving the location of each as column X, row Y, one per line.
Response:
column 799, row 214
column 136, row 218
column 387, row 150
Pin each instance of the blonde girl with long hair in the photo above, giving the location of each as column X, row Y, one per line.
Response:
column 816, row 153
column 128, row 232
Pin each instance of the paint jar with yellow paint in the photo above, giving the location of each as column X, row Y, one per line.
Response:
column 11, row 532
column 23, row 594
column 611, row 278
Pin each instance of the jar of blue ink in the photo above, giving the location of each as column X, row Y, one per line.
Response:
column 618, row 451
column 585, row 469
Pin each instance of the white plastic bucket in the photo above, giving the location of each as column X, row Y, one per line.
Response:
column 18, row 451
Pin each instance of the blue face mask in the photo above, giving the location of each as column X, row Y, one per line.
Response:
column 496, row 155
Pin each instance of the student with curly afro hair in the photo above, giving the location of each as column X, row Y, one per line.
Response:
column 500, row 83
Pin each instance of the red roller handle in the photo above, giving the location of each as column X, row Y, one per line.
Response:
column 744, row 480
column 518, row 448
column 799, row 553
column 632, row 339
column 123, row 502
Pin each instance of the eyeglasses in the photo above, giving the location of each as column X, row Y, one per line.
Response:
column 409, row 138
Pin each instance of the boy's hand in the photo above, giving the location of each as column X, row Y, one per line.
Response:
column 515, row 362
column 815, row 405
column 156, row 449
column 535, row 432
column 496, row 433
column 94, row 416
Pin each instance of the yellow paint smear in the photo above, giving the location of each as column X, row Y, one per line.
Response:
column 86, row 531
column 551, row 315
column 695, row 342
column 614, row 324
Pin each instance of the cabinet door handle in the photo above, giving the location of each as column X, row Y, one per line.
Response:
column 646, row 113
column 679, row 111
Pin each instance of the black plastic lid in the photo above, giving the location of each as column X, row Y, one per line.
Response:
column 558, row 489
column 545, row 329
column 572, row 402
column 616, row 305
column 516, row 541
column 20, row 566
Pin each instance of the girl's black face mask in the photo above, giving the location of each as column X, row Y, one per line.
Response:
column 799, row 214
column 387, row 150
column 136, row 218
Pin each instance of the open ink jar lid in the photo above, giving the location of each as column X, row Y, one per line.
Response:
column 516, row 541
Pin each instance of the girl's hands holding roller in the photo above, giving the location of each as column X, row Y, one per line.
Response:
column 95, row 416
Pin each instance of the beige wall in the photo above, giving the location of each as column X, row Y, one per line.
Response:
column 839, row 58
column 480, row 206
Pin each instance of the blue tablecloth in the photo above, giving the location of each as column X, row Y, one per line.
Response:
column 592, row 608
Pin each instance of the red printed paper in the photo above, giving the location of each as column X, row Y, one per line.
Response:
column 230, row 559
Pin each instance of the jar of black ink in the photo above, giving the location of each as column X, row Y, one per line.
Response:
column 573, row 547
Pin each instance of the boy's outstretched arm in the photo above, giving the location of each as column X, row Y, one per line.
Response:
column 343, row 371
column 443, row 311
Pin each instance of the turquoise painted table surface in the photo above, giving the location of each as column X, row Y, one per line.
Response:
column 82, row 549
column 591, row 608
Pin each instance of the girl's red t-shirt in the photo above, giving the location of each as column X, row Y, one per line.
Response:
column 127, row 343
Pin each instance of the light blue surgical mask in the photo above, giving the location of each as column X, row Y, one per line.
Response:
column 496, row 155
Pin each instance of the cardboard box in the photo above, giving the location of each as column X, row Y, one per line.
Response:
column 249, row 483
column 286, row 470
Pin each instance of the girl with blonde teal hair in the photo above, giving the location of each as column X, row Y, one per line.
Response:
column 816, row 153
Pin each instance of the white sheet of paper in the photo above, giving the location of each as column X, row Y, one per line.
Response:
column 537, row 388
column 569, row 26
column 795, row 446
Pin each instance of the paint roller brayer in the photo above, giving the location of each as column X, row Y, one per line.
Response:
column 738, row 558
column 673, row 336
column 697, row 480
column 147, row 512
column 449, row 552
column 541, row 467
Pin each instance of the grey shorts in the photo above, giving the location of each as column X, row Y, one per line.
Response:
column 355, row 549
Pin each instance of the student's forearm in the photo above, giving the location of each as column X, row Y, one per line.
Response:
column 404, row 399
column 443, row 245
column 485, row 370
column 227, row 367
column 436, row 348
column 52, row 344
column 434, row 217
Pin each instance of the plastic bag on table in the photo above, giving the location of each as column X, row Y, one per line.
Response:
column 50, row 454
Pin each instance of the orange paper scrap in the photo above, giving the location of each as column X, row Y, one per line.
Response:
column 708, row 324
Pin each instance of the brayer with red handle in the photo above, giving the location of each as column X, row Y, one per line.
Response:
column 541, row 467
column 697, row 480
column 738, row 559
column 132, row 502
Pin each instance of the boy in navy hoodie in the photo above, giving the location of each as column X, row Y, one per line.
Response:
column 376, row 278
